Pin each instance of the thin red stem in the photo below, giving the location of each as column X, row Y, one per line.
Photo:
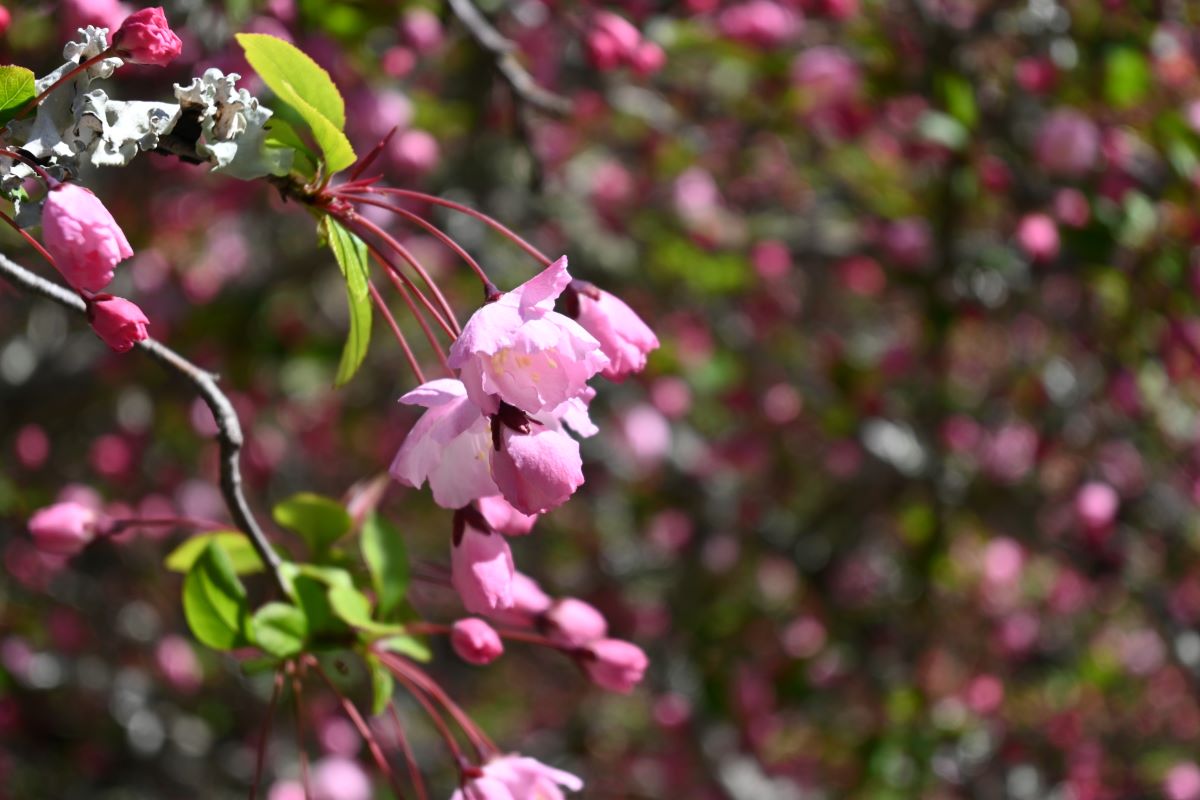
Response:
column 304, row 780
column 407, row 255
column 438, row 721
column 479, row 215
column 108, row 53
column 364, row 730
column 402, row 284
column 266, row 731
column 441, row 235
column 32, row 241
column 414, row 771
column 391, row 321
column 49, row 179
column 479, row 740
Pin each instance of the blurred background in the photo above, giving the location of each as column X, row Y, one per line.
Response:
column 905, row 506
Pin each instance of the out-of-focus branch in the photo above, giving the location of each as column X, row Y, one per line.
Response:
column 503, row 52
column 229, row 429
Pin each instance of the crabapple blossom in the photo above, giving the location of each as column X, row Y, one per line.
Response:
column 63, row 529
column 481, row 570
column 615, row 665
column 1096, row 504
column 537, row 471
column 501, row 515
column 518, row 350
column 1038, row 236
column 146, row 38
column 612, row 41
column 529, row 603
column 520, row 778
column 623, row 336
column 85, row 240
column 574, row 622
column 449, row 447
column 120, row 323
column 338, row 778
column 759, row 23
column 475, row 641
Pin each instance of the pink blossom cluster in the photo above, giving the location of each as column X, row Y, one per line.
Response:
column 614, row 42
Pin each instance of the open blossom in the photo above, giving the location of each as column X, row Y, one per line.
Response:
column 519, row 778
column 501, row 515
column 615, row 665
column 63, row 528
column 85, row 240
column 146, row 38
column 517, row 349
column 475, row 641
column 449, row 446
column 120, row 323
column 537, row 471
column 481, row 570
column 622, row 334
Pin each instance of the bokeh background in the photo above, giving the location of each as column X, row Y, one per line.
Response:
column 905, row 506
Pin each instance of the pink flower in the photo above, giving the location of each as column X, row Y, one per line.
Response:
column 414, row 152
column 422, row 29
column 120, row 323
column 77, row 14
column 517, row 349
column 1068, row 143
column 475, row 641
column 1038, row 236
column 529, row 603
column 537, row 471
column 521, row 778
column 612, row 41
column 574, row 622
column 500, row 514
column 622, row 334
column 146, row 38
column 1182, row 782
column 1096, row 505
column 615, row 665
column 178, row 663
column 827, row 76
column 86, row 242
column 450, row 446
column 337, row 778
column 63, row 528
column 481, row 569
column 759, row 23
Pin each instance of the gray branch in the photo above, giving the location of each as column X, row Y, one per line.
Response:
column 504, row 54
column 229, row 429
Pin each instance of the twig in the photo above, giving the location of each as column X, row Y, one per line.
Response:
column 503, row 53
column 229, row 429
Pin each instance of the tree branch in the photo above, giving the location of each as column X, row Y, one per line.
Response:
column 229, row 429
column 503, row 52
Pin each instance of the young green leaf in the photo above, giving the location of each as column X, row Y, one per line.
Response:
column 382, row 684
column 406, row 645
column 299, row 82
column 319, row 520
column 351, row 255
column 241, row 553
column 214, row 600
column 383, row 550
column 351, row 606
column 279, row 629
column 16, row 89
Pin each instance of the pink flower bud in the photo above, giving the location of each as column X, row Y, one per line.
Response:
column 616, row 665
column 537, row 471
column 622, row 334
column 1096, row 504
column 1038, row 236
column 575, row 622
column 648, row 59
column 5, row 20
column 146, row 38
column 63, row 528
column 481, row 569
column 422, row 29
column 475, row 641
column 1182, row 782
column 500, row 514
column 86, row 242
column 529, row 602
column 120, row 323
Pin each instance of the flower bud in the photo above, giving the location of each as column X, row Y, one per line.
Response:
column 615, row 665
column 622, row 334
column 481, row 569
column 575, row 622
column 63, row 528
column 146, row 38
column 85, row 240
column 500, row 514
column 537, row 471
column 1038, row 236
column 120, row 323
column 475, row 641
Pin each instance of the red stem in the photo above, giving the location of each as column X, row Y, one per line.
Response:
column 438, row 722
column 304, row 781
column 414, row 771
column 391, row 321
column 479, row 740
column 34, row 242
column 479, row 215
column 266, row 731
column 108, row 53
column 49, row 179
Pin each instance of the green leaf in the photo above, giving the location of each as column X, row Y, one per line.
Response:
column 351, row 606
column 299, row 82
column 406, row 645
column 236, row 545
column 351, row 254
column 16, row 89
column 1127, row 77
column 279, row 629
column 214, row 600
column 383, row 550
column 959, row 98
column 309, row 586
column 319, row 520
column 382, row 685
